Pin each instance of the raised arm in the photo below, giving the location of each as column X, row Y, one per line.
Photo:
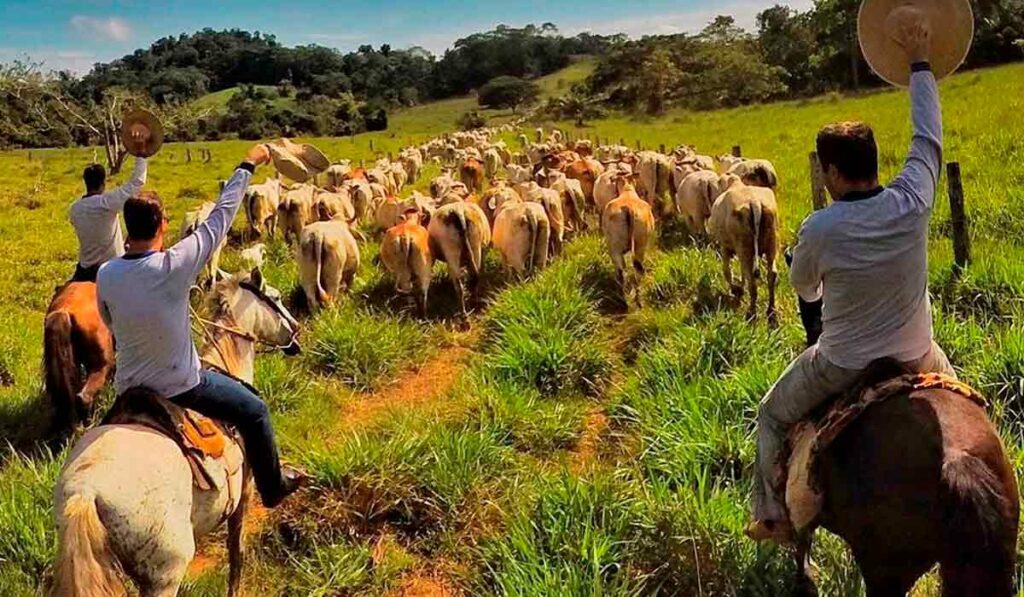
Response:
column 191, row 253
column 114, row 200
column 919, row 179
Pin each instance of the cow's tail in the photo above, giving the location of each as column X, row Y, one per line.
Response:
column 322, row 296
column 60, row 370
column 531, row 254
column 755, row 226
column 405, row 250
column 627, row 215
column 85, row 565
column 459, row 221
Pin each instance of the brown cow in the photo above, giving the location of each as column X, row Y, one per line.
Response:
column 328, row 261
column 744, row 221
column 472, row 174
column 628, row 224
column 296, row 210
column 405, row 252
column 261, row 207
column 694, row 199
column 586, row 171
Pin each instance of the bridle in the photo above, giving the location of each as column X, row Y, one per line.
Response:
column 207, row 324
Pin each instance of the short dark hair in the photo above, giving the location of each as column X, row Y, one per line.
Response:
column 851, row 148
column 143, row 215
column 95, row 176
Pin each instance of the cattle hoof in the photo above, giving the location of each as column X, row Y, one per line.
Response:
column 773, row 318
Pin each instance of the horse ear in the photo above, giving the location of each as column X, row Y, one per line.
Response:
column 256, row 277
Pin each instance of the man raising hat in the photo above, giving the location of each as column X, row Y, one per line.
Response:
column 863, row 262
column 144, row 298
column 95, row 216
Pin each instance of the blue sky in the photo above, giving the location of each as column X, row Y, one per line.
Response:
column 74, row 35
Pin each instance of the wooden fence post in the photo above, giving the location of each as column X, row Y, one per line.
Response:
column 961, row 237
column 371, row 144
column 638, row 144
column 188, row 155
column 661, row 148
column 819, row 198
column 737, row 151
column 622, row 141
column 209, row 156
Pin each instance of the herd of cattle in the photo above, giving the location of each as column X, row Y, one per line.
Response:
column 524, row 203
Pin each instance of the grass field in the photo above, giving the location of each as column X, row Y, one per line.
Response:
column 563, row 445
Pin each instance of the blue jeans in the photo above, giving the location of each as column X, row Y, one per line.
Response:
column 225, row 399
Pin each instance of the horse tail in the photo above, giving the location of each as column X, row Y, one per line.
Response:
column 755, row 223
column 974, row 504
column 61, row 371
column 85, row 565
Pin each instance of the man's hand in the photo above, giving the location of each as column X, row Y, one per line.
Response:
column 139, row 133
column 258, row 155
column 910, row 30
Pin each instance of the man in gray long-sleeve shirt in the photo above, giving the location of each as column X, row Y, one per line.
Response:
column 143, row 296
column 864, row 261
column 95, row 218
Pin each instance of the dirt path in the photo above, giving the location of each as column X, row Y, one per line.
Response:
column 586, row 451
column 420, row 388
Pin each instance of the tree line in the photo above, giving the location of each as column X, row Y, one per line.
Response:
column 790, row 54
column 284, row 90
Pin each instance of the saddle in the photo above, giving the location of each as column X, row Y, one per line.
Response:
column 797, row 475
column 200, row 438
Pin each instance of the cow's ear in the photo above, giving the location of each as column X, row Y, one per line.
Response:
column 256, row 277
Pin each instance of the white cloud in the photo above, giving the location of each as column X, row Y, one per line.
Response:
column 104, row 29
column 744, row 11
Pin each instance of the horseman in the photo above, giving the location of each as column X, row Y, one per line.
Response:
column 95, row 215
column 144, row 298
column 860, row 268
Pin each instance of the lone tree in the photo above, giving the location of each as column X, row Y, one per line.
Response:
column 508, row 92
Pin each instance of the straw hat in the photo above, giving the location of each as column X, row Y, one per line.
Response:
column 952, row 29
column 142, row 120
column 299, row 162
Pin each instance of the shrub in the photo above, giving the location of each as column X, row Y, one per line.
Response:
column 341, row 345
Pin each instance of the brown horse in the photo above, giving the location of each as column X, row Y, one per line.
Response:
column 917, row 480
column 75, row 339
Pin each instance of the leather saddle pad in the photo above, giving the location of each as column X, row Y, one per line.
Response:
column 796, row 474
column 198, row 437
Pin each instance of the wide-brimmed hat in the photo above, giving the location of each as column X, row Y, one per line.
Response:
column 297, row 161
column 952, row 28
column 152, row 141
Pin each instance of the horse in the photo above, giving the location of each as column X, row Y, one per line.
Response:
column 125, row 499
column 75, row 339
column 916, row 480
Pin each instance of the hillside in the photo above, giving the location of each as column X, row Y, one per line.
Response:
column 564, row 444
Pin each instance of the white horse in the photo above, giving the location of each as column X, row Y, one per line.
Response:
column 125, row 500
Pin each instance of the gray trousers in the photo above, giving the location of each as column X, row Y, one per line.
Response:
column 809, row 381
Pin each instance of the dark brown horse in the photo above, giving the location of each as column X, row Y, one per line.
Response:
column 917, row 480
column 75, row 340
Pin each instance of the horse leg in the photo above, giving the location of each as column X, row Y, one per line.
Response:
column 98, row 358
column 805, row 573
column 236, row 538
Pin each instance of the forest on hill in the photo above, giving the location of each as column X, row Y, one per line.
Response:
column 314, row 90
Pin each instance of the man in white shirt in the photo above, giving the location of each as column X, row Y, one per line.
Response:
column 863, row 261
column 144, row 297
column 95, row 218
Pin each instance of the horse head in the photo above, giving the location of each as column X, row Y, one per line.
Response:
column 256, row 309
